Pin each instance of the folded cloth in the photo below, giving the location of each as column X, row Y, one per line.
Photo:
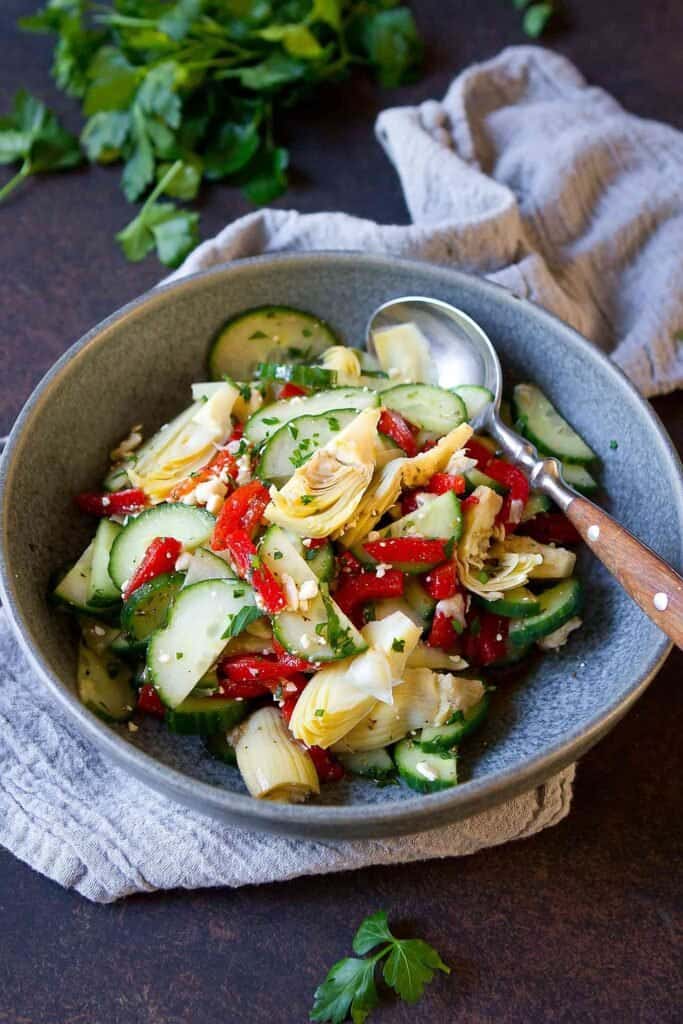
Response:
column 524, row 174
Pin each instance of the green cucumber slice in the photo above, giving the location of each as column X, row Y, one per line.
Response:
column 535, row 505
column 294, row 443
column 104, row 686
column 282, row 554
column 315, row 377
column 270, row 418
column 580, row 479
column 321, row 560
column 440, row 519
column 542, row 424
column 264, row 334
column 73, row 587
column 190, row 525
column 475, row 478
column 558, row 604
column 442, row 738
column 205, row 565
column 124, row 646
column 322, row 633
column 117, row 479
column 476, row 399
column 148, row 607
column 426, row 406
column 518, row 603
column 198, row 629
column 423, row 772
column 101, row 588
column 204, row 716
column 97, row 636
column 370, row 764
column 220, row 747
column 419, row 600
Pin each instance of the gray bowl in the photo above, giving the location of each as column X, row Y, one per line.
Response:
column 138, row 365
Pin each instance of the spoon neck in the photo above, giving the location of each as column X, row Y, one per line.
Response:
column 545, row 474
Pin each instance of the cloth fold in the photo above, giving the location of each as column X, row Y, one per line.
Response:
column 522, row 173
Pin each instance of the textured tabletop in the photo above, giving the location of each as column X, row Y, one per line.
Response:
column 579, row 923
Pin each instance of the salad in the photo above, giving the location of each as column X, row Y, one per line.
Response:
column 317, row 567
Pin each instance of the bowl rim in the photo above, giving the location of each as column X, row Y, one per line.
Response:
column 414, row 813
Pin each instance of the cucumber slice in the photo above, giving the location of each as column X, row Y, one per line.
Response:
column 203, row 716
column 101, row 588
column 580, row 479
column 475, row 478
column 191, row 526
column 315, row 377
column 535, row 505
column 370, row 764
column 518, row 603
column 104, row 686
column 72, row 589
column 426, row 406
column 199, row 624
column 558, row 604
column 322, row 633
column 205, row 565
column 423, row 772
column 96, row 635
column 147, row 608
column 419, row 600
column 117, row 479
column 219, row 747
column 440, row 519
column 542, row 424
column 270, row 418
column 294, row 443
column 321, row 560
column 476, row 399
column 442, row 738
column 284, row 556
column 264, row 334
column 124, row 646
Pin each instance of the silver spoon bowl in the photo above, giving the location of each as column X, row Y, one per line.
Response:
column 463, row 354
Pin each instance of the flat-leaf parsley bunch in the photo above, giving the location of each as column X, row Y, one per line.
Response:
column 185, row 91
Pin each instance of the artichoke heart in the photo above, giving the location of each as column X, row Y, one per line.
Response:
column 345, row 364
column 324, row 493
column 388, row 482
column 556, row 563
column 424, row 698
column 273, row 766
column 185, row 445
column 483, row 569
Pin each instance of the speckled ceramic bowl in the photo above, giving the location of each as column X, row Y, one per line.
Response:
column 138, row 365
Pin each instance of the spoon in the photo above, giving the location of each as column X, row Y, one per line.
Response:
column 464, row 354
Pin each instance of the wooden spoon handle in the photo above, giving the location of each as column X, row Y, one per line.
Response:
column 652, row 584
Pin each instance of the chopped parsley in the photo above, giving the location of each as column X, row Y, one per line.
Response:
column 307, row 499
column 614, row 445
column 457, row 625
column 277, row 555
column 319, row 712
column 270, row 421
column 398, row 645
column 179, row 655
column 240, row 621
column 256, row 335
column 333, row 423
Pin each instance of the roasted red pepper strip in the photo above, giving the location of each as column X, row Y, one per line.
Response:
column 291, row 691
column 442, row 582
column 241, row 690
column 116, row 503
column 409, row 501
column 469, row 502
column 326, row 765
column 442, row 482
column 348, row 564
column 149, row 701
column 406, row 549
column 247, row 668
column 551, row 528
column 394, row 426
column 492, row 638
column 443, row 633
column 290, row 390
column 313, row 543
column 516, row 497
column 291, row 660
column 356, row 590
column 477, row 450
column 242, row 511
column 223, row 463
column 159, row 557
column 248, row 566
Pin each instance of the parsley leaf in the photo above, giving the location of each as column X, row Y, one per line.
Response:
column 349, row 988
column 240, row 621
column 32, row 134
column 162, row 225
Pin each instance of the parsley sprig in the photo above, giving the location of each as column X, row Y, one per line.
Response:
column 31, row 134
column 201, row 82
column 349, row 989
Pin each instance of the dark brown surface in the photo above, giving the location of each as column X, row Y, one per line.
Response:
column 577, row 924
